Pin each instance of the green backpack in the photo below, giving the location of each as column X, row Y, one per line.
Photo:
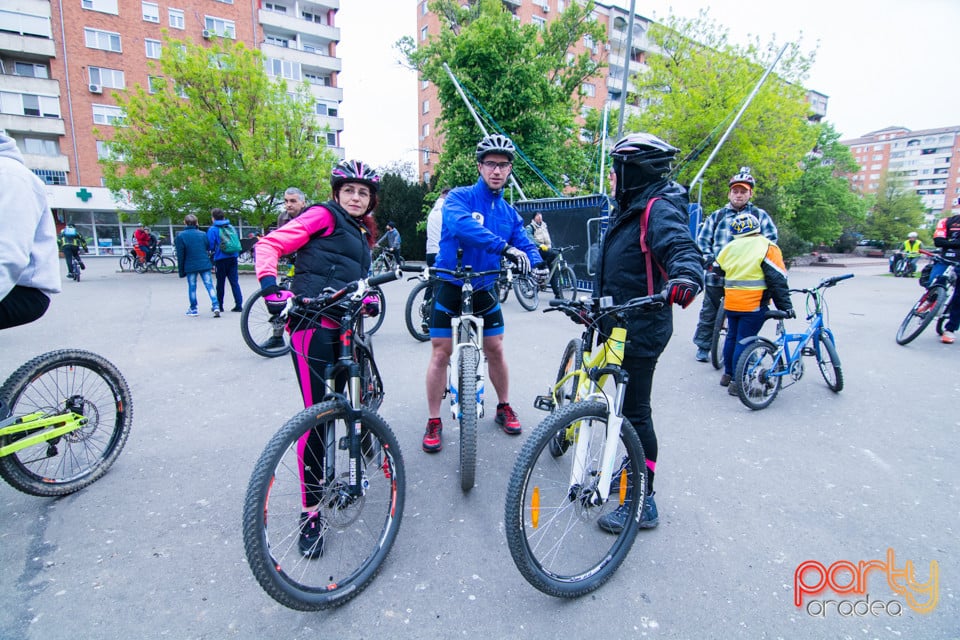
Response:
column 229, row 240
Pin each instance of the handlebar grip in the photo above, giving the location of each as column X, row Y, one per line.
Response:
column 412, row 268
column 776, row 314
column 382, row 278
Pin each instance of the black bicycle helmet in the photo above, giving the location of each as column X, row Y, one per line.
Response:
column 640, row 159
column 354, row 171
column 495, row 143
column 744, row 177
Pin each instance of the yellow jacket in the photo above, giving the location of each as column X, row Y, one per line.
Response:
column 746, row 282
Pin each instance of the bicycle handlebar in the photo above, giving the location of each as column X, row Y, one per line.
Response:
column 825, row 283
column 936, row 257
column 362, row 285
column 589, row 311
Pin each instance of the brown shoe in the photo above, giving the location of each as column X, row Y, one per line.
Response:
column 725, row 379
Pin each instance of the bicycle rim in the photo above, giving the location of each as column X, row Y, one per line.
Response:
column 527, row 292
column 371, row 385
column 417, row 312
column 262, row 331
column 718, row 339
column 357, row 532
column 566, row 393
column 166, row 265
column 922, row 314
column 829, row 362
column 61, row 382
column 567, row 282
column 756, row 386
column 552, row 529
column 370, row 325
column 469, row 365
column 126, row 263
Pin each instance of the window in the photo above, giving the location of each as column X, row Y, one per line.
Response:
column 221, row 27
column 331, row 139
column 426, row 156
column 273, row 6
column 103, row 6
column 106, row 40
column 423, row 34
column 49, row 176
column 176, row 19
column 27, row 104
column 153, row 48
column 40, row 147
column 424, row 84
column 155, row 84
column 30, row 70
column 313, row 78
column 278, row 41
column 313, row 17
column 283, row 69
column 425, row 131
column 107, row 114
column 112, row 78
column 589, row 89
column 538, row 22
column 326, row 109
column 424, row 10
column 226, row 1
column 103, row 150
column 426, row 106
column 151, row 11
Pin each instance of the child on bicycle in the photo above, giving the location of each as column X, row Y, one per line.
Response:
column 71, row 242
column 28, row 241
column 754, row 272
column 332, row 241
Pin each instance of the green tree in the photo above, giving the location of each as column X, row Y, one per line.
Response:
column 214, row 130
column 820, row 202
column 522, row 80
column 696, row 83
column 895, row 212
column 400, row 200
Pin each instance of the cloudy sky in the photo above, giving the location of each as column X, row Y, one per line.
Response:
column 881, row 62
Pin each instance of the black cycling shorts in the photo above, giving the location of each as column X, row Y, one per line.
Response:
column 446, row 304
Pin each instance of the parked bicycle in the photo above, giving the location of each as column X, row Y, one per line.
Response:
column 343, row 441
column 766, row 366
column 64, row 418
column 719, row 336
column 932, row 302
column 157, row 262
column 581, row 462
column 527, row 288
column 384, row 261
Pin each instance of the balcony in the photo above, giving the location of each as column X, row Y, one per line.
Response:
column 328, row 94
column 286, row 23
column 50, row 163
column 305, row 58
column 334, row 123
column 32, row 124
column 26, row 84
column 27, row 46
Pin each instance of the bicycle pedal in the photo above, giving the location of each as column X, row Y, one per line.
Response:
column 544, row 403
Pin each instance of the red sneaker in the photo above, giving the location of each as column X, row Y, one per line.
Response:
column 431, row 439
column 507, row 419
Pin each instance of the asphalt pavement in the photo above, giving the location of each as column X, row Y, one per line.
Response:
column 154, row 549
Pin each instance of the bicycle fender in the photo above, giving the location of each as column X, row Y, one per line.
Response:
column 746, row 342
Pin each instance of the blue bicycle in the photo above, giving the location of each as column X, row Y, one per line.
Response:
column 767, row 365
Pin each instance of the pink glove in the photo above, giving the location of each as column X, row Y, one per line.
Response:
column 277, row 302
column 371, row 306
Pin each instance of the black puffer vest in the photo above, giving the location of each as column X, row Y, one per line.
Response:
column 334, row 260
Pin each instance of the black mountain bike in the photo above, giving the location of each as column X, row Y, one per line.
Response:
column 931, row 304
column 341, row 454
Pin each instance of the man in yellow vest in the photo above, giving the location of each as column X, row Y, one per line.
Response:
column 911, row 252
column 754, row 273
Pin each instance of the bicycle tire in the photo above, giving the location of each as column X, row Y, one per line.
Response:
column 567, row 283
column 55, row 383
column 527, row 291
column 76, row 270
column 567, row 394
column 467, row 389
column 377, row 321
column 719, row 338
column 829, row 365
column 166, row 264
column 417, row 311
column 263, row 332
column 941, row 320
column 126, row 263
column 921, row 314
column 554, row 539
column 756, row 388
column 359, row 532
column 371, row 384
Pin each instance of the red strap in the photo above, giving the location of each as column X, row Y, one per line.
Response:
column 647, row 256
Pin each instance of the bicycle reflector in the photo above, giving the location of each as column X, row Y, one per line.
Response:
column 535, row 508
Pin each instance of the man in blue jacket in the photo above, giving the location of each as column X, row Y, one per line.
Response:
column 225, row 263
column 478, row 220
column 193, row 259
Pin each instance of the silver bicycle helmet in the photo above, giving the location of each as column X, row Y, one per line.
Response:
column 744, row 177
column 495, row 143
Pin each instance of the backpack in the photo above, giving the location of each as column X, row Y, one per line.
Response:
column 229, row 240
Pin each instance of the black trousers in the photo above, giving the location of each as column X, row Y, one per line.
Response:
column 22, row 305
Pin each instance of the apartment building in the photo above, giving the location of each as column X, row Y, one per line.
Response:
column 625, row 54
column 927, row 161
column 61, row 61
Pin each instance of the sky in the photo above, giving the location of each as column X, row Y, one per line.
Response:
column 880, row 62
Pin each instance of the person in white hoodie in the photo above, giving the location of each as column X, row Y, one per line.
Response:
column 29, row 270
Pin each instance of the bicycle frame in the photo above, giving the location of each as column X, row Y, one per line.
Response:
column 467, row 330
column 53, row 426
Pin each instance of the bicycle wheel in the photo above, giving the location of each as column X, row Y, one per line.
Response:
column 371, row 325
column 567, row 283
column 371, row 385
column 76, row 270
column 357, row 531
column 263, row 332
column 467, row 381
column 923, row 312
column 126, row 263
column 166, row 264
column 417, row 312
column 63, row 382
column 551, row 527
column 829, row 362
column 752, row 375
column 572, row 360
column 527, row 291
column 719, row 338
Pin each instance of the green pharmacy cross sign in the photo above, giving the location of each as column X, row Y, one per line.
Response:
column 83, row 194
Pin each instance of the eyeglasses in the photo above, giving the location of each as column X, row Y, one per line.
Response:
column 351, row 190
column 491, row 165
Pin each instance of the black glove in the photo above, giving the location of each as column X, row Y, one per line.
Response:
column 681, row 291
column 520, row 260
column 790, row 312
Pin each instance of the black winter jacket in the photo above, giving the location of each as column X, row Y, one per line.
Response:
column 622, row 272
